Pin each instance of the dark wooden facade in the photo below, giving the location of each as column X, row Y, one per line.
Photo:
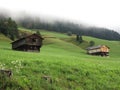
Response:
column 102, row 50
column 31, row 43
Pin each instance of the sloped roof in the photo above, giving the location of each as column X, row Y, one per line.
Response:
column 96, row 47
column 27, row 37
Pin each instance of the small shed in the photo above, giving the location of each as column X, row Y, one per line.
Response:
column 102, row 50
column 31, row 43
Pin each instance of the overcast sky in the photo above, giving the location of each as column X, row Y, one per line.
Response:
column 102, row 13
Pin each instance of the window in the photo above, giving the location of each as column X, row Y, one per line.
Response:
column 34, row 40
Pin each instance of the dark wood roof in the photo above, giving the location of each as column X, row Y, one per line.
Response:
column 28, row 37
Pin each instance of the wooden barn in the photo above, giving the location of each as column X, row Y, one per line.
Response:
column 102, row 50
column 31, row 43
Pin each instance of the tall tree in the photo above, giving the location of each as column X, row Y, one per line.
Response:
column 77, row 37
column 80, row 39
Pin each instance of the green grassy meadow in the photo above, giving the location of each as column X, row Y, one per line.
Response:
column 64, row 62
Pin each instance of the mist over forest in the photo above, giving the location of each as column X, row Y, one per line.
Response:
column 37, row 22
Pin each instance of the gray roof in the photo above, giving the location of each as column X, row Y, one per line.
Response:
column 94, row 47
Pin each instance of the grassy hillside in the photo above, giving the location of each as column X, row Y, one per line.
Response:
column 61, row 65
column 4, row 38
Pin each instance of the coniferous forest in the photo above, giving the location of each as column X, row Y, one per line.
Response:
column 69, row 27
column 8, row 27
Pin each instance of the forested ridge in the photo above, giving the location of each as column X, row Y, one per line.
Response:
column 8, row 27
column 69, row 27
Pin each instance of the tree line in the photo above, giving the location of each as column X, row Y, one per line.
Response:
column 70, row 28
column 9, row 27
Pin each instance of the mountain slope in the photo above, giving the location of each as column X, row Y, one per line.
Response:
column 4, row 38
column 61, row 65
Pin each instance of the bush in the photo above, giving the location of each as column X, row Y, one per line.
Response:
column 91, row 43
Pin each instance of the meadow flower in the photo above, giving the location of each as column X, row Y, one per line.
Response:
column 17, row 65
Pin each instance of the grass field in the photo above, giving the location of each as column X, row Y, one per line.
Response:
column 62, row 64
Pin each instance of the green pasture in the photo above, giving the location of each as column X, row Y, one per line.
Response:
column 63, row 62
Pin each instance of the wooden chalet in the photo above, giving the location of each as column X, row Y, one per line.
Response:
column 31, row 43
column 102, row 50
